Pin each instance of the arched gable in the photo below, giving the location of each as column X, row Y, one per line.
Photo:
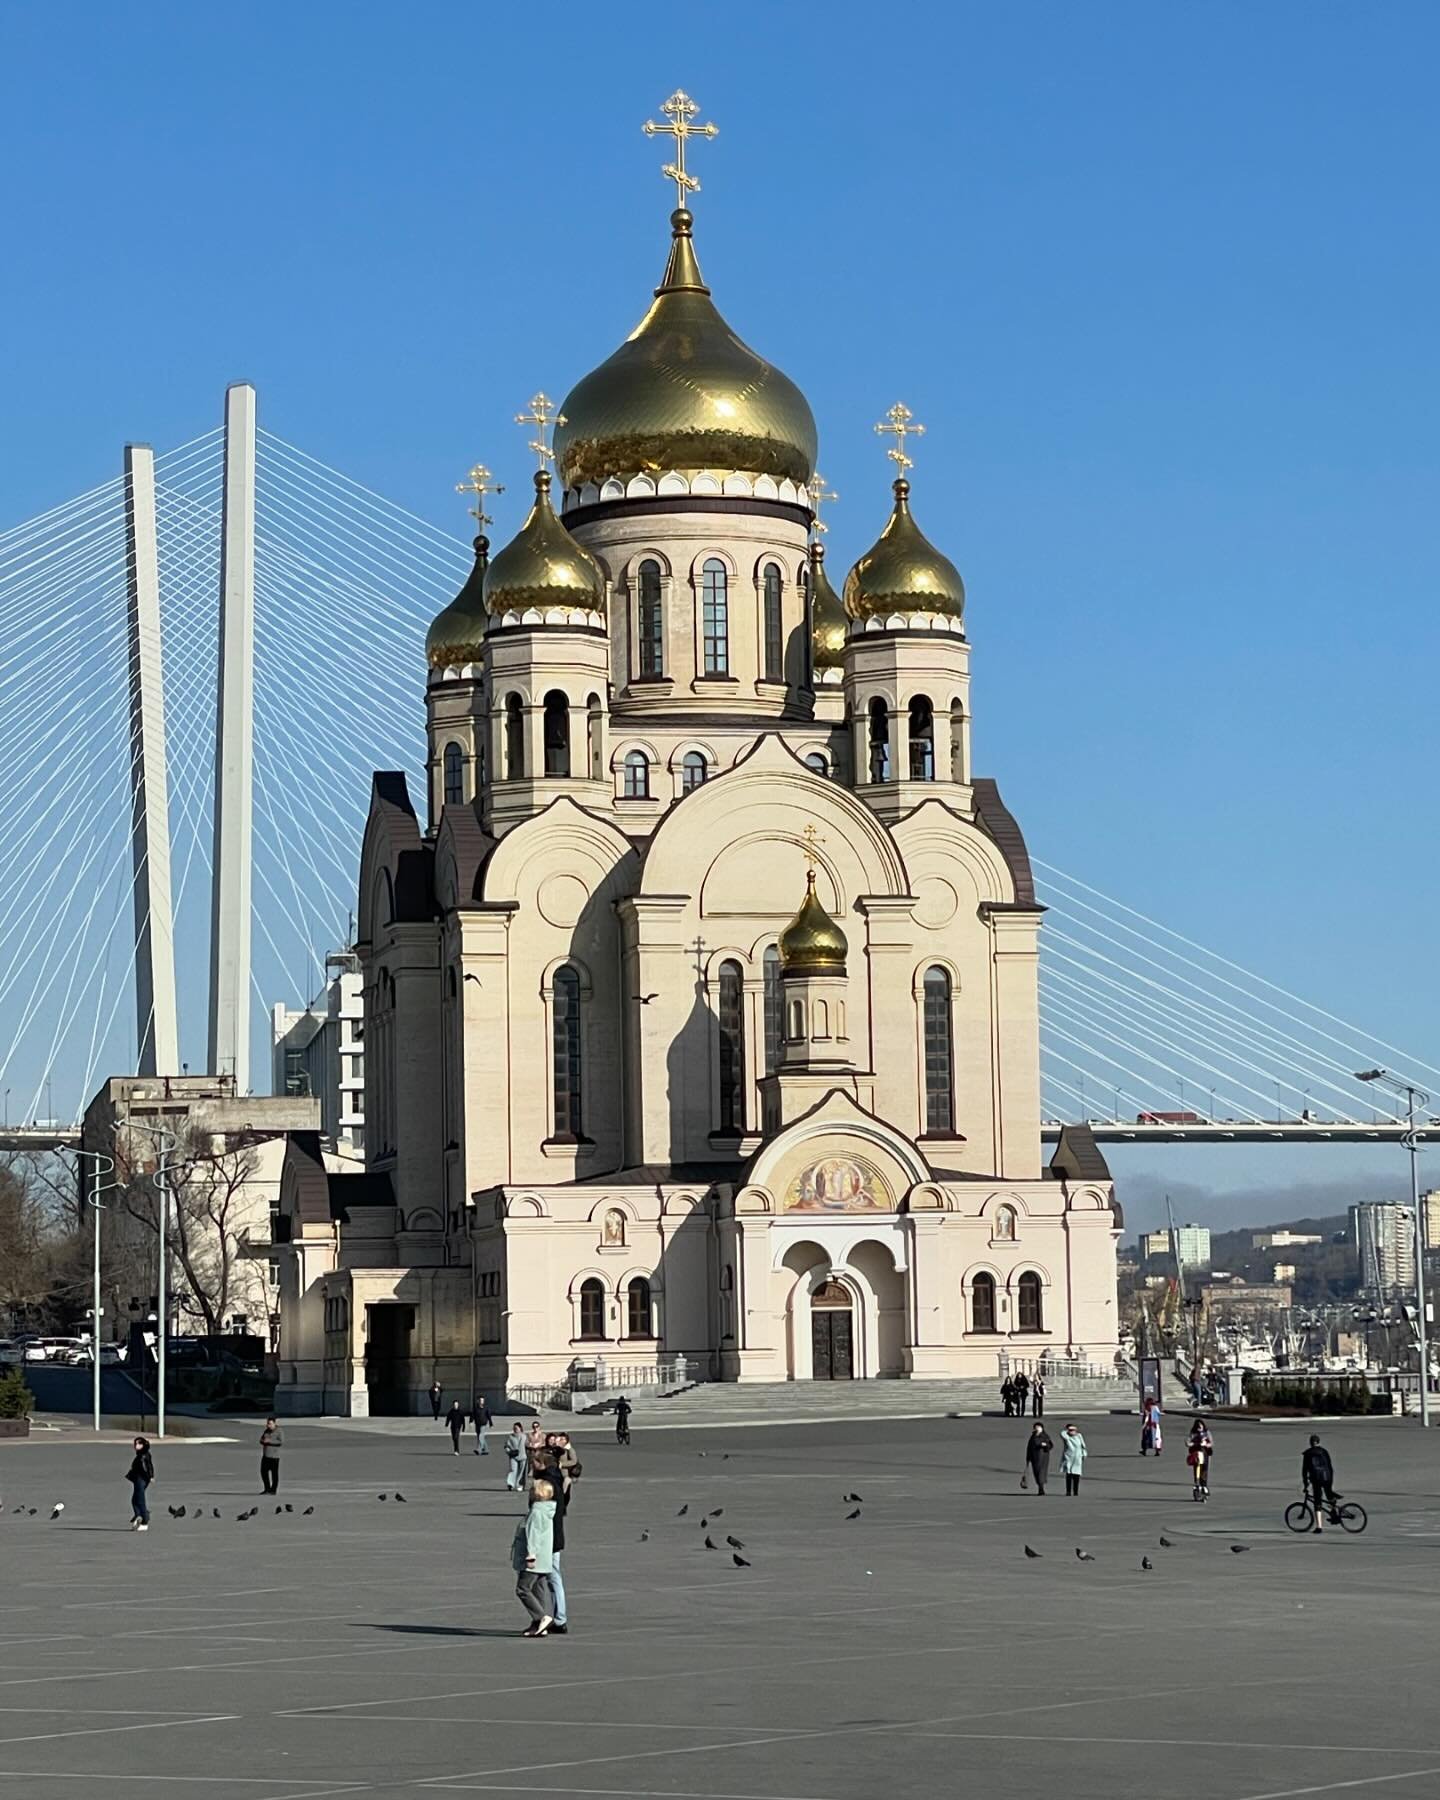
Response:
column 838, row 1127
column 564, row 838
column 461, row 848
column 937, row 841
column 393, row 847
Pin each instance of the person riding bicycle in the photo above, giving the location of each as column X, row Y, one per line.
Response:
column 1317, row 1475
column 1199, row 1449
column 623, row 1409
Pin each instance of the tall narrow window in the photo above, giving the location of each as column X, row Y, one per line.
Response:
column 636, row 784
column 595, row 750
column 774, row 627
column 650, row 623
column 732, row 1048
column 693, row 771
column 454, row 775
column 1029, row 1318
column 773, row 1004
column 715, row 615
column 638, row 1311
column 557, row 734
column 957, row 741
column 514, row 738
column 480, row 763
column 879, row 741
column 982, row 1303
column 922, row 739
column 592, row 1308
column 939, row 1055
column 809, row 632
column 565, row 1047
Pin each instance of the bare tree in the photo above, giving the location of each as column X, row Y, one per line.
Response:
column 41, row 1252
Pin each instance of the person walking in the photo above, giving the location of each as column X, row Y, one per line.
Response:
column 534, row 1445
column 1151, row 1437
column 1007, row 1397
column 561, row 1469
column 623, row 1410
column 437, row 1394
column 515, row 1451
column 532, row 1553
column 272, row 1441
column 1317, row 1476
column 1037, row 1397
column 140, row 1474
column 1072, row 1459
column 455, row 1424
column 1022, row 1394
column 483, row 1422
column 1199, row 1449
column 1037, row 1457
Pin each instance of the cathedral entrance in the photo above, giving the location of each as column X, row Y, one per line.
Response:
column 832, row 1334
column 388, row 1326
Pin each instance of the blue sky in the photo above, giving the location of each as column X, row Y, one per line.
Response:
column 1161, row 282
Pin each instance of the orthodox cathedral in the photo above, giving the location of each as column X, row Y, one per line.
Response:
column 700, row 983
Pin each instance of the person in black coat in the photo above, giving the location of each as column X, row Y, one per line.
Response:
column 140, row 1474
column 1037, row 1456
column 483, row 1420
column 455, row 1419
column 1007, row 1397
column 437, row 1394
column 1317, row 1472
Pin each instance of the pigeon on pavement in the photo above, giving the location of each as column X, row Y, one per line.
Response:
column 59, row 1507
column 710, row 1543
column 704, row 1523
column 215, row 1511
column 1165, row 1544
column 740, row 1562
column 734, row 1543
column 715, row 1511
column 683, row 1510
column 852, row 1499
column 1084, row 1555
column 400, row 1499
column 307, row 1512
column 1034, row 1555
column 1145, row 1563
column 289, row 1508
column 1238, row 1549
column 853, row 1515
column 180, row 1512
column 644, row 1537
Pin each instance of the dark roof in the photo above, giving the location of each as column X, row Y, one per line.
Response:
column 998, row 822
column 412, row 861
column 367, row 1187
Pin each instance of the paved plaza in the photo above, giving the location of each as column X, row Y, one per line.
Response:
column 372, row 1648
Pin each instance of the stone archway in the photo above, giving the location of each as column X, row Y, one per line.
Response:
column 832, row 1332
column 832, row 1324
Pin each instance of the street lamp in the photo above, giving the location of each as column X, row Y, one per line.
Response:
column 104, row 1165
column 1413, row 1096
column 167, row 1142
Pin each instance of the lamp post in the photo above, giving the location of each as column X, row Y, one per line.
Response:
column 97, row 1187
column 1413, row 1096
column 167, row 1142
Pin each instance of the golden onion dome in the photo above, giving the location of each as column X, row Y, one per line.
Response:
column 812, row 943
column 828, row 625
column 683, row 392
column 542, row 566
column 456, row 634
column 903, row 572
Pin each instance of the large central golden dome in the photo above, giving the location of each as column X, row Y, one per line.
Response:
column 683, row 392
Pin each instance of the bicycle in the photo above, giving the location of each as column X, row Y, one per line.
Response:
column 1349, row 1515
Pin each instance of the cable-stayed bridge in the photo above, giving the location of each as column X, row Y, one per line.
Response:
column 232, row 633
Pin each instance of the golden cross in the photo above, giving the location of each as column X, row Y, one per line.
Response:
column 813, row 841
column 542, row 416
column 820, row 495
column 900, row 421
column 479, row 484
column 680, row 109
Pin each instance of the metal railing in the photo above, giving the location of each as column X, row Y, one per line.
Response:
column 587, row 1382
column 1062, row 1368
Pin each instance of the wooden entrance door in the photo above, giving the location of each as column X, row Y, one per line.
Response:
column 832, row 1336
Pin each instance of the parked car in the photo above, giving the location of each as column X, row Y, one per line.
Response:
column 10, row 1353
column 51, row 1349
column 79, row 1356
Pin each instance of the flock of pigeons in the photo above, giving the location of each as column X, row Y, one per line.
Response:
column 30, row 1512
column 1145, row 1562
column 737, row 1545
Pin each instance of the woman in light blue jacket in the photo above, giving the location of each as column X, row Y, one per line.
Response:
column 532, row 1558
column 1072, row 1458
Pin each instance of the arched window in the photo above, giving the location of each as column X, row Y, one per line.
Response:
column 774, row 626
column 816, row 761
column 715, row 616
column 636, row 782
column 693, row 771
column 879, row 741
column 773, row 1004
column 557, row 734
column 922, row 739
column 638, row 1312
column 982, row 1303
column 1029, row 1297
column 592, row 1308
column 957, row 741
column 565, row 1048
column 939, row 1055
column 454, row 774
column 650, row 621
column 732, row 1047
column 594, row 749
column 514, row 738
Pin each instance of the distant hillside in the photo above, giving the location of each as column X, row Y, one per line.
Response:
column 1323, row 1271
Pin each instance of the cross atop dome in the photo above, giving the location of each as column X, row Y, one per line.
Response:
column 542, row 415
column 679, row 110
column 900, row 422
column 820, row 495
column 479, row 484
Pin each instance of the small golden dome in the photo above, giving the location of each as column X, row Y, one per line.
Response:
column 542, row 566
column 903, row 572
column 828, row 625
column 683, row 392
column 812, row 943
column 456, row 633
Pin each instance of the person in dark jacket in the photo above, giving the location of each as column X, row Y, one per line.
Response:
column 555, row 1469
column 1022, row 1395
column 1317, row 1472
column 437, row 1394
column 455, row 1419
column 483, row 1421
column 140, row 1474
column 623, row 1409
column 1007, row 1397
column 272, row 1441
column 1037, row 1397
column 1037, row 1456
